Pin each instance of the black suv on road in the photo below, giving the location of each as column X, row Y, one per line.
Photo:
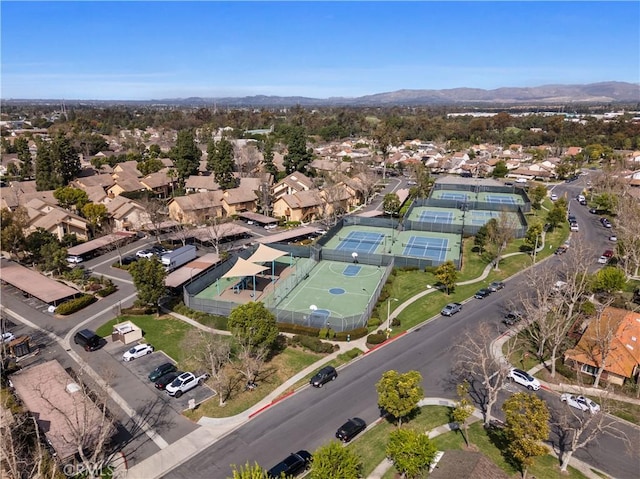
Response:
column 326, row 374
column 351, row 429
column 292, row 465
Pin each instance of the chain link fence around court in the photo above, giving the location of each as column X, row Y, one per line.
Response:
column 466, row 228
column 337, row 323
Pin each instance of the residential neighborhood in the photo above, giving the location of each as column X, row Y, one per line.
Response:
column 331, row 247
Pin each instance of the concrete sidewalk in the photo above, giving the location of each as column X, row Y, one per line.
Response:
column 214, row 429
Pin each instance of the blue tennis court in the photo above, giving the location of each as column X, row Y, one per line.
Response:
column 432, row 248
column 507, row 200
column 361, row 242
column 436, row 217
column 453, row 196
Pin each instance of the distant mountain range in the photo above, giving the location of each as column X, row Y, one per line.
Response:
column 604, row 92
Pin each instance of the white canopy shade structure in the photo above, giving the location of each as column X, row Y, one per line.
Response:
column 244, row 268
column 265, row 254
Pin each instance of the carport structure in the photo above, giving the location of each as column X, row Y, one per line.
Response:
column 34, row 283
column 257, row 218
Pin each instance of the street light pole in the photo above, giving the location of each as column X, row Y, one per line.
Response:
column 389, row 313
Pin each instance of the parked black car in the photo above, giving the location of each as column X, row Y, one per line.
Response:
column 167, row 379
column 512, row 317
column 351, row 429
column 164, row 368
column 292, row 465
column 482, row 293
column 326, row 374
column 129, row 259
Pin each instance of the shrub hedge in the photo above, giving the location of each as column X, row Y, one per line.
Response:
column 376, row 338
column 211, row 320
column 107, row 290
column 314, row 344
column 76, row 304
column 298, row 329
column 353, row 334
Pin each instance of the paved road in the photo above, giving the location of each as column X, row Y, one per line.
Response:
column 310, row 418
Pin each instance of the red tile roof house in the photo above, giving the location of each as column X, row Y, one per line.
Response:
column 573, row 151
column 623, row 359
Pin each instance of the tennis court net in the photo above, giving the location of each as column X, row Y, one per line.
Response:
column 425, row 246
column 361, row 240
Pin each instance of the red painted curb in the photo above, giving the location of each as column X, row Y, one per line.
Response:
column 390, row 340
column 284, row 396
column 259, row 410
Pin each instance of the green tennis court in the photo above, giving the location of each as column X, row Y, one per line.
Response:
column 341, row 289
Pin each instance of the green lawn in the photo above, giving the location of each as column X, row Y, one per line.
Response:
column 280, row 368
column 371, row 445
column 165, row 333
column 545, row 467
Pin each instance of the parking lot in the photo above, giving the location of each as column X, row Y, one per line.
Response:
column 141, row 367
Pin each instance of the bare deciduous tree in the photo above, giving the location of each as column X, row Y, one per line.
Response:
column 499, row 233
column 248, row 159
column 485, row 372
column 367, row 179
column 212, row 353
column 22, row 453
column 576, row 429
column 251, row 361
column 628, row 232
column 333, row 195
column 158, row 214
column 553, row 306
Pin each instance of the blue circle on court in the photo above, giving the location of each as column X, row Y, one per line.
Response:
column 337, row 291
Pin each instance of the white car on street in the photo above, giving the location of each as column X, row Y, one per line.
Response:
column 524, row 378
column 580, row 402
column 73, row 259
column 8, row 337
column 137, row 352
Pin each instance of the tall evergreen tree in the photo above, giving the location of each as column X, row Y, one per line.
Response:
column 65, row 159
column 267, row 154
column 185, row 154
column 221, row 162
column 24, row 155
column 297, row 157
column 46, row 178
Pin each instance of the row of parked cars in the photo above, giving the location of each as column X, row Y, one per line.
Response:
column 298, row 462
column 166, row 376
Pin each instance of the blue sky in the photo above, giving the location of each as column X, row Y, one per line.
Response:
column 153, row 50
